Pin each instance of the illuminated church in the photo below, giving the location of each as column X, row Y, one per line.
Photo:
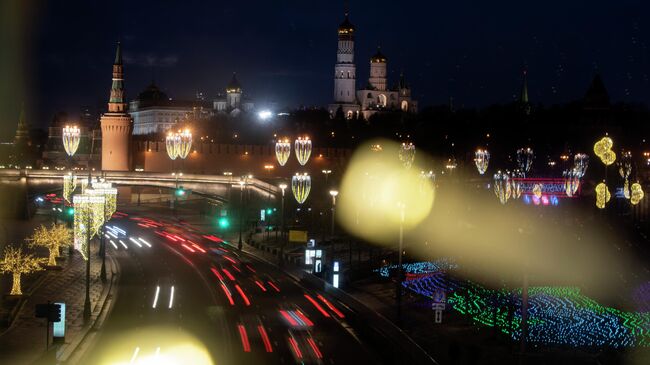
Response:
column 376, row 96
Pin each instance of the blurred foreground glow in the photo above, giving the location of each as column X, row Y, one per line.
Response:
column 379, row 188
column 160, row 346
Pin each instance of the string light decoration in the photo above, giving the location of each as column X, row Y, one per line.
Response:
column 303, row 150
column 516, row 184
column 427, row 181
column 109, row 193
column 172, row 142
column 300, row 186
column 55, row 238
column 603, row 149
column 69, row 185
column 407, row 154
column 602, row 195
column 636, row 194
column 580, row 164
column 71, row 137
column 88, row 218
column 502, row 186
column 18, row 263
column 283, row 151
column 625, row 165
column 626, row 189
column 537, row 190
column 481, row 159
column 571, row 181
column 185, row 143
column 525, row 158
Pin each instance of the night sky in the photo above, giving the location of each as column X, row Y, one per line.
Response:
column 284, row 51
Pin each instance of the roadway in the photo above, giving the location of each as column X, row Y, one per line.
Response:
column 179, row 285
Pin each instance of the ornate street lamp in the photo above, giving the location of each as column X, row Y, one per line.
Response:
column 71, row 137
column 301, row 186
column 282, row 187
column 282, row 151
column 303, row 150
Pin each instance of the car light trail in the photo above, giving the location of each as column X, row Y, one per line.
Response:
column 135, row 241
column 227, row 292
column 315, row 303
column 304, row 318
column 213, row 238
column 250, row 268
column 289, row 318
column 107, row 236
column 265, row 338
column 274, row 287
column 124, row 245
column 314, row 348
column 236, row 268
column 113, row 243
column 111, row 233
column 198, row 247
column 260, row 285
column 171, row 298
column 330, row 306
column 145, row 242
column 119, row 230
column 216, row 273
column 243, row 295
column 230, row 259
column 244, row 338
column 135, row 355
column 294, row 346
column 188, row 248
column 155, row 298
column 228, row 274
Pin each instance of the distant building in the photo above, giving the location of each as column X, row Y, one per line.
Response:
column 233, row 103
column 154, row 112
column 376, row 96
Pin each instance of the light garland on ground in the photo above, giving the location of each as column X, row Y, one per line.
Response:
column 301, row 186
column 282, row 151
column 303, row 150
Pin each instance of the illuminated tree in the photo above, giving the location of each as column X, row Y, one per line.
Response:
column 17, row 263
column 58, row 236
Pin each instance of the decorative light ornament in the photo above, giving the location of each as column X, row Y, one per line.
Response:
column 300, row 186
column 71, row 138
column 502, row 188
column 626, row 189
column 603, row 149
column 172, row 142
column 637, row 194
column 69, row 184
column 303, row 150
column 106, row 190
column 602, row 195
column 580, row 164
column 625, row 164
column 525, row 158
column 88, row 217
column 571, row 181
column 537, row 190
column 481, row 159
column 427, row 181
column 516, row 184
column 407, row 154
column 282, row 151
column 185, row 143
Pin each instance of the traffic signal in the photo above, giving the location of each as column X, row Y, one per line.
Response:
column 54, row 313
column 269, row 211
column 70, row 210
column 224, row 223
column 180, row 191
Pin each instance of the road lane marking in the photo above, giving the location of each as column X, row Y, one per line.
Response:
column 155, row 298
column 171, row 297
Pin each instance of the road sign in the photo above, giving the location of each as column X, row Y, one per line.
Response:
column 58, row 328
column 297, row 236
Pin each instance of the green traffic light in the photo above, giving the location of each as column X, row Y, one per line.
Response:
column 180, row 192
column 224, row 223
column 70, row 211
column 269, row 211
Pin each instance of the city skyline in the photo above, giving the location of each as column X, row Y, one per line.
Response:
column 286, row 58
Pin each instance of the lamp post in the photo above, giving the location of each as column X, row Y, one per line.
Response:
column 398, row 293
column 178, row 145
column 283, row 187
column 333, row 193
column 327, row 174
column 242, row 183
column 71, row 136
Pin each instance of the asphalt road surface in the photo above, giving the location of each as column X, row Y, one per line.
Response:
column 185, row 294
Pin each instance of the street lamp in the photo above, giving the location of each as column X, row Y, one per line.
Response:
column 71, row 136
column 178, row 145
column 283, row 187
column 242, row 183
column 333, row 193
column 327, row 174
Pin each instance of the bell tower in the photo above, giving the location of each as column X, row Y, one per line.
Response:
column 117, row 124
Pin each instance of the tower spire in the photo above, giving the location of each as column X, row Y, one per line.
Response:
column 22, row 130
column 523, row 99
column 116, row 103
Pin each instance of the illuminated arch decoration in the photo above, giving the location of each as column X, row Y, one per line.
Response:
column 407, row 154
column 283, row 151
column 482, row 160
column 301, row 186
column 303, row 150
column 525, row 157
column 502, row 188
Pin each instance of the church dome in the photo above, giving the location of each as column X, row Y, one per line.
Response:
column 152, row 94
column 378, row 57
column 346, row 28
column 233, row 86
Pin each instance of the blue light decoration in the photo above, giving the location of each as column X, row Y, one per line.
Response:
column 560, row 316
column 544, row 200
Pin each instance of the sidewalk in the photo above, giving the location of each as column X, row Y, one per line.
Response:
column 24, row 341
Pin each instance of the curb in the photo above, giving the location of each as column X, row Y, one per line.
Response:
column 13, row 314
